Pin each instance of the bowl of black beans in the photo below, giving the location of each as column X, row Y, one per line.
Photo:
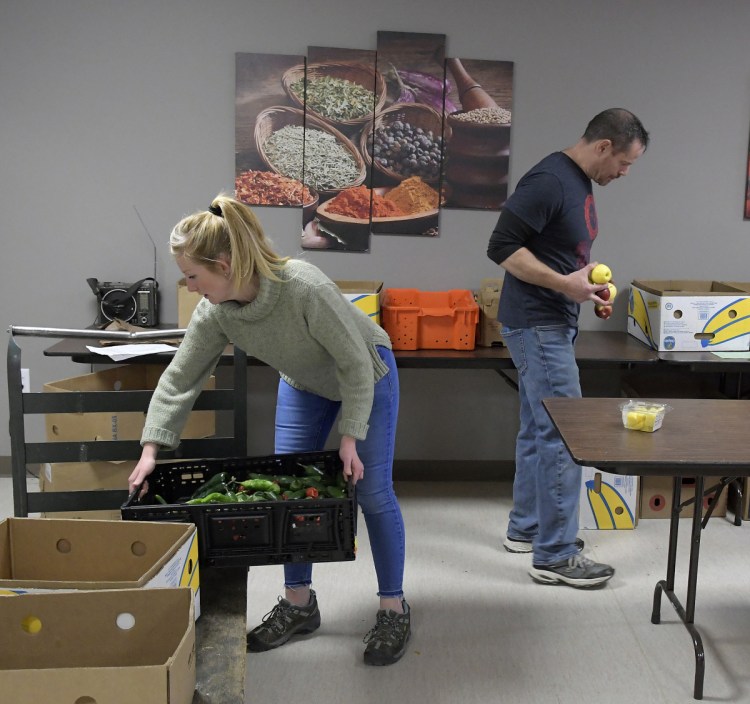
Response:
column 404, row 140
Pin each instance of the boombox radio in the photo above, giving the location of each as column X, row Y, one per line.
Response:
column 132, row 303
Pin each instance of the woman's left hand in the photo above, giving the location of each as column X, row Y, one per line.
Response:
column 353, row 467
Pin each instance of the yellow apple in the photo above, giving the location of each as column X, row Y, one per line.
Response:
column 600, row 274
column 612, row 291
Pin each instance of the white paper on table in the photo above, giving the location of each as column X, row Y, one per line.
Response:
column 118, row 353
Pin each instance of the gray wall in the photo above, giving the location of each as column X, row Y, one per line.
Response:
column 106, row 105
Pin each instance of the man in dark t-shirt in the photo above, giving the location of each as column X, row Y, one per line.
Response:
column 543, row 240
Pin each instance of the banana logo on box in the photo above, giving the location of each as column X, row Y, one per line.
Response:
column 609, row 508
column 638, row 313
column 729, row 323
column 10, row 592
column 190, row 570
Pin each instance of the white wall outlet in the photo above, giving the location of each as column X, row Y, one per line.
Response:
column 25, row 381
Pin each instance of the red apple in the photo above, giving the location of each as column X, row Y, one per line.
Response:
column 602, row 312
column 604, row 293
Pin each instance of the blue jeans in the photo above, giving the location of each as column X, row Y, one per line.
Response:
column 303, row 422
column 547, row 483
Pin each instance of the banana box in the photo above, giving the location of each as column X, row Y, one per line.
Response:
column 608, row 501
column 656, row 497
column 366, row 295
column 40, row 555
column 690, row 316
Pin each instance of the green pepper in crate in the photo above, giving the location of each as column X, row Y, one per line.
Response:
column 335, row 492
column 283, row 480
column 261, row 485
column 213, row 498
column 311, row 470
column 264, row 496
column 213, row 484
column 292, row 495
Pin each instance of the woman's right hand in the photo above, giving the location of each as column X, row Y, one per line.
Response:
column 145, row 466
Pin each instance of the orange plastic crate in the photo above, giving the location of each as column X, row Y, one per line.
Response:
column 430, row 320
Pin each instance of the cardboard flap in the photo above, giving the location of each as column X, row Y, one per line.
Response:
column 687, row 287
column 51, row 552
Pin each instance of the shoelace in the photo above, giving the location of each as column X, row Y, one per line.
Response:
column 277, row 617
column 384, row 629
column 579, row 560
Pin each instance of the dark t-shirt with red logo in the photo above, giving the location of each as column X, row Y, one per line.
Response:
column 555, row 201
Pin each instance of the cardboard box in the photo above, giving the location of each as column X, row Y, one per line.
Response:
column 488, row 300
column 85, row 476
column 47, row 554
column 186, row 302
column 608, row 501
column 687, row 316
column 366, row 295
column 656, row 497
column 117, row 646
column 738, row 498
column 65, row 427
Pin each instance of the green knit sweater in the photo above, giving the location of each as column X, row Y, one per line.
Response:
column 302, row 326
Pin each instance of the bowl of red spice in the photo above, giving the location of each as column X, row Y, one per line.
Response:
column 404, row 208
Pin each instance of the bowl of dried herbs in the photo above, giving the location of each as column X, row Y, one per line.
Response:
column 344, row 94
column 284, row 135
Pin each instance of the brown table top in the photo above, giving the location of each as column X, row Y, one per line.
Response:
column 593, row 348
column 697, row 437
column 705, row 361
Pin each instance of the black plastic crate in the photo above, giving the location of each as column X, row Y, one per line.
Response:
column 254, row 533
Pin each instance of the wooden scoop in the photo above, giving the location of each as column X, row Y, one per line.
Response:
column 470, row 93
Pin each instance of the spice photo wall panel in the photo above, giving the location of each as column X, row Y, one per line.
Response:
column 404, row 146
column 477, row 149
column 263, row 116
column 342, row 89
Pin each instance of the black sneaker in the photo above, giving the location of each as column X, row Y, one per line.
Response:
column 282, row 622
column 577, row 571
column 386, row 641
column 526, row 546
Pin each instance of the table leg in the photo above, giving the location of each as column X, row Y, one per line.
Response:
column 687, row 615
column 667, row 585
column 220, row 636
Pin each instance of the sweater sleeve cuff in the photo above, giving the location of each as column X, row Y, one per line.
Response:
column 351, row 427
column 161, row 437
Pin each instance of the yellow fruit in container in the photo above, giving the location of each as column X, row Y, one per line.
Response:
column 634, row 420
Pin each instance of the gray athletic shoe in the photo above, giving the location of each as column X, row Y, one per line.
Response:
column 577, row 571
column 526, row 546
column 282, row 622
column 386, row 641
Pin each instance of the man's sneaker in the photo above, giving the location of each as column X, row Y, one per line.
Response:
column 386, row 641
column 577, row 571
column 524, row 546
column 282, row 622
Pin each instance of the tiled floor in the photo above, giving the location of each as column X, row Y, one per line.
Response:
column 483, row 632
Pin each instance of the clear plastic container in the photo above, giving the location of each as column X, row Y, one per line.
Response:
column 646, row 416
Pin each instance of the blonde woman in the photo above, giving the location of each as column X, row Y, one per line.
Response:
column 332, row 359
